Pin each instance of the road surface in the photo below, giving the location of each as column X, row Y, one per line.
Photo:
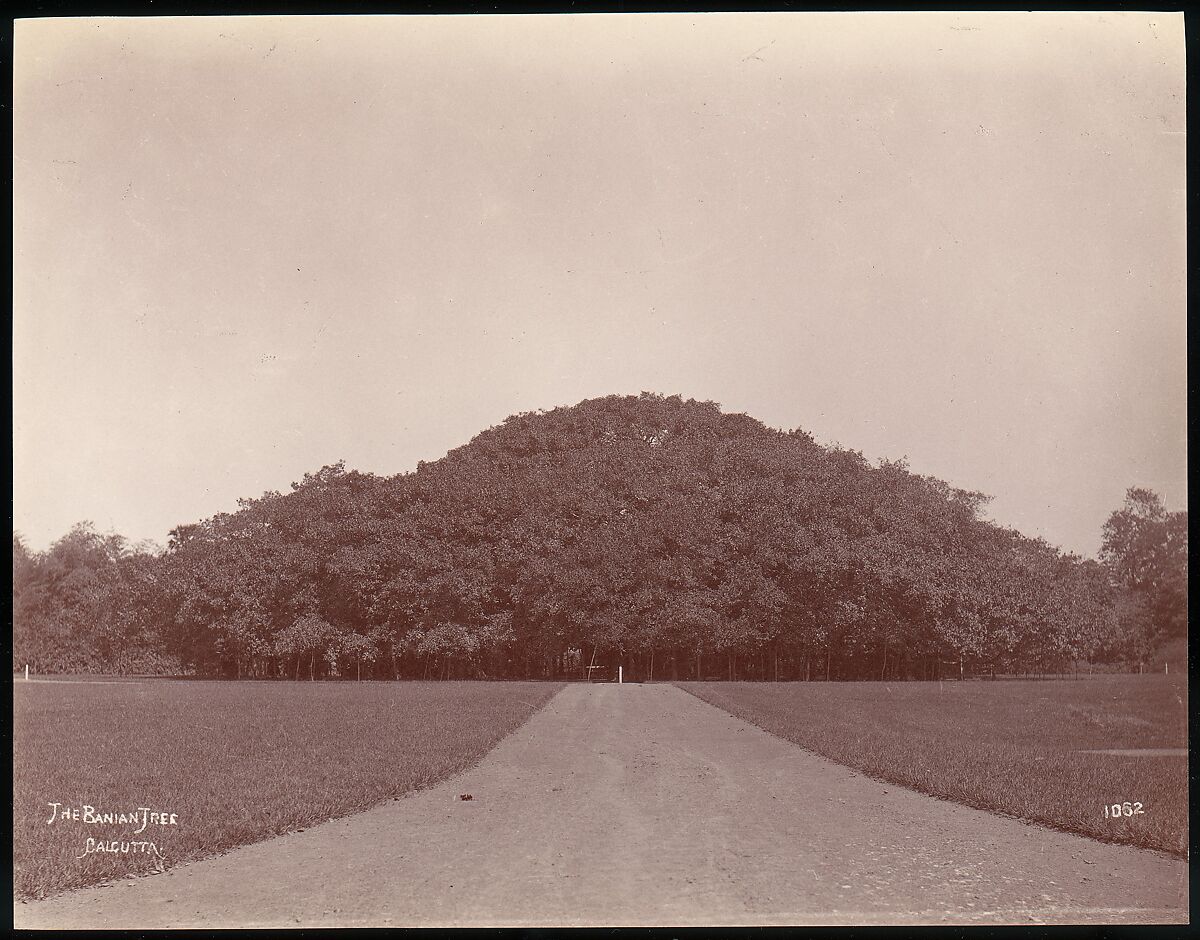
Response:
column 642, row 805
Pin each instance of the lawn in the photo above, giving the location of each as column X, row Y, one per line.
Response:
column 1013, row 747
column 236, row 762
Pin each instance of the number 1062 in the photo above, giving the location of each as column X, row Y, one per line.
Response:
column 1123, row 809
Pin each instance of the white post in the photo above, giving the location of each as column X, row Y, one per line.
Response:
column 1166, row 669
column 27, row 672
column 620, row 674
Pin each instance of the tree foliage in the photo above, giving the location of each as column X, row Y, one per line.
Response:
column 658, row 533
column 1146, row 550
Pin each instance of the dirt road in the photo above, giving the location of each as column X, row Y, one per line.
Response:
column 641, row 805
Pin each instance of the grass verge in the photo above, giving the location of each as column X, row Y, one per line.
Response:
column 1009, row 747
column 237, row 762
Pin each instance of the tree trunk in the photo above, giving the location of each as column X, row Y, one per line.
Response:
column 312, row 667
column 650, row 677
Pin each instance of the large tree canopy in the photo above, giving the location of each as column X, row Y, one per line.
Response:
column 654, row 532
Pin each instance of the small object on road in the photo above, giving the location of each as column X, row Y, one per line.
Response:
column 465, row 796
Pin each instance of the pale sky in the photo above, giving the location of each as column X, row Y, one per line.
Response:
column 247, row 247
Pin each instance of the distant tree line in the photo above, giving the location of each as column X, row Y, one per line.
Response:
column 650, row 532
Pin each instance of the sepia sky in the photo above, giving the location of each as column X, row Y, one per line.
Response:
column 247, row 247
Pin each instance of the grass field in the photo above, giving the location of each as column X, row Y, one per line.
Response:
column 236, row 762
column 1010, row 747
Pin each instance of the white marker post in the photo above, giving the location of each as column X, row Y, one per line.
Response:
column 27, row 672
column 620, row 674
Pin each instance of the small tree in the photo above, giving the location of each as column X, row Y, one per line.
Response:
column 1145, row 548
